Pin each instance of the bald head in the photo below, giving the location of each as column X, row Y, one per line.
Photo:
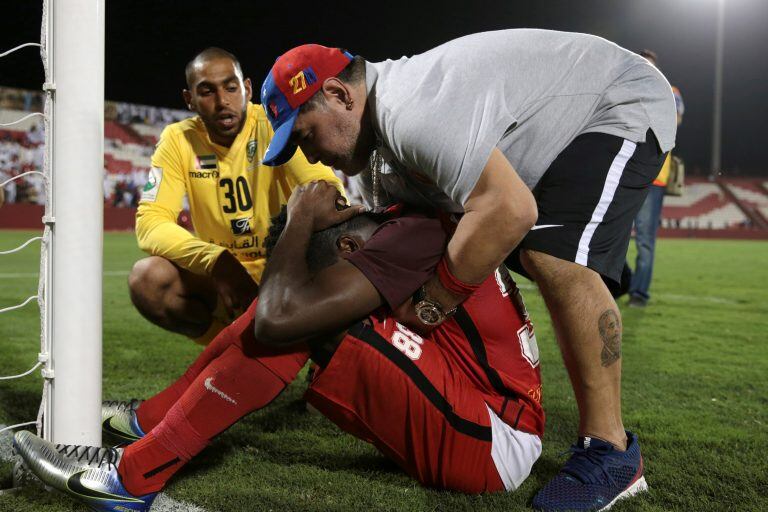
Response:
column 205, row 56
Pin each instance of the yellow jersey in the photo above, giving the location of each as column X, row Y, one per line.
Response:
column 232, row 196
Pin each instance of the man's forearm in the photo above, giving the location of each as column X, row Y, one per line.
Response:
column 498, row 214
column 480, row 244
column 160, row 237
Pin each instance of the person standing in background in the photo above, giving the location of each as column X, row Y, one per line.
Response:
column 648, row 218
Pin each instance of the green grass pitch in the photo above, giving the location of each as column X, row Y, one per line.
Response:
column 695, row 389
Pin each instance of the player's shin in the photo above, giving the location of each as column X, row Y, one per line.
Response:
column 230, row 387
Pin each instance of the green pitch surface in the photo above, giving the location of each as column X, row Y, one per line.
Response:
column 695, row 390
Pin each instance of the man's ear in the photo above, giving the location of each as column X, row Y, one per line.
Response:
column 347, row 244
column 336, row 91
column 248, row 89
column 187, row 99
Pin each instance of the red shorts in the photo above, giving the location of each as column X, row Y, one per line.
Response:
column 413, row 403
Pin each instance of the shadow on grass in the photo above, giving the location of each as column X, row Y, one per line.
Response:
column 286, row 434
column 22, row 404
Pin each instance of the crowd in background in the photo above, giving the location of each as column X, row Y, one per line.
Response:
column 19, row 156
column 22, row 150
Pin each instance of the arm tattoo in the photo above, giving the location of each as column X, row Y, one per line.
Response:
column 609, row 326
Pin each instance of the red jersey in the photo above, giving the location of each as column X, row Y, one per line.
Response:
column 490, row 338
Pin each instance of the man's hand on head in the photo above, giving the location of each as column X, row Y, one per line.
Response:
column 320, row 204
column 235, row 286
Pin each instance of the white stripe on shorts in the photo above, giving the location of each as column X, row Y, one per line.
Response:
column 609, row 189
column 513, row 452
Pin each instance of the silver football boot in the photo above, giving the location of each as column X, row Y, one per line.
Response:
column 86, row 473
column 119, row 420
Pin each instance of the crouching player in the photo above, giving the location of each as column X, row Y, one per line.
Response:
column 458, row 408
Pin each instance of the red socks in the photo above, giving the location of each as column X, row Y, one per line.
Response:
column 232, row 377
column 230, row 387
column 152, row 411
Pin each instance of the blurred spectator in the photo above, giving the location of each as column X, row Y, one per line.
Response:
column 649, row 217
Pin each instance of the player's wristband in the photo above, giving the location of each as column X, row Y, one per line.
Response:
column 452, row 283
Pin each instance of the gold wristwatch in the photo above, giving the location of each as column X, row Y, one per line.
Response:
column 429, row 311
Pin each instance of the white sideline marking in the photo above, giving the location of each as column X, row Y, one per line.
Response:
column 22, row 275
column 162, row 503
column 669, row 296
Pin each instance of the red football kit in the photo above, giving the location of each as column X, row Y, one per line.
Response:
column 426, row 402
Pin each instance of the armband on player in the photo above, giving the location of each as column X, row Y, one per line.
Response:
column 452, row 283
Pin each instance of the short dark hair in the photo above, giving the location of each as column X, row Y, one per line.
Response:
column 210, row 53
column 650, row 55
column 322, row 250
column 353, row 73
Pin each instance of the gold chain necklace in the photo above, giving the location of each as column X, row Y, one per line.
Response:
column 375, row 164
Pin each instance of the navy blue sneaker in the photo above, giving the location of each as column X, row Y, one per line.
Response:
column 595, row 477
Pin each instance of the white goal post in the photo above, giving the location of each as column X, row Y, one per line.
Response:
column 73, row 55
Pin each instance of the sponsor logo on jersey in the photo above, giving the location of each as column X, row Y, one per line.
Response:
column 204, row 174
column 240, row 226
column 154, row 178
column 206, row 162
column 535, row 394
column 250, row 150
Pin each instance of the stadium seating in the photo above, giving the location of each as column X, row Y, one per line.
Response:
column 727, row 203
column 707, row 208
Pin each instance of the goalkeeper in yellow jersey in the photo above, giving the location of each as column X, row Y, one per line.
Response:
column 196, row 284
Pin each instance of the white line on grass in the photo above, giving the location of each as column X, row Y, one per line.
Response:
column 163, row 503
column 23, row 275
column 668, row 296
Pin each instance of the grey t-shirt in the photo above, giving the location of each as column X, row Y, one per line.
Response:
column 528, row 92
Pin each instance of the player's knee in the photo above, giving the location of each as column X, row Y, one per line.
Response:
column 547, row 269
column 539, row 265
column 149, row 280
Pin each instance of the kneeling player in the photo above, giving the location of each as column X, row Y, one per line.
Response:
column 457, row 408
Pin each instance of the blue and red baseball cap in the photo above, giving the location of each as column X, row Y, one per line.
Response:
column 295, row 77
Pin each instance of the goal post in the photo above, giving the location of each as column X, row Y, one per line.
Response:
column 73, row 51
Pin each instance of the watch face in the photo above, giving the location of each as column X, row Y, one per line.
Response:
column 429, row 313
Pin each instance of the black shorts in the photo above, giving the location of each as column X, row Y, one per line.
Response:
column 588, row 199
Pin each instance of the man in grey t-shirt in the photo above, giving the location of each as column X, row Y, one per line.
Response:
column 546, row 143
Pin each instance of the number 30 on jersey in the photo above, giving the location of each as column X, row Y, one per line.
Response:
column 237, row 195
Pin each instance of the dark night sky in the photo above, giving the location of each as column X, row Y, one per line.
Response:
column 149, row 41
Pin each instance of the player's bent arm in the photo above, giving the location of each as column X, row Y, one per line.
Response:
column 159, row 235
column 295, row 305
column 498, row 214
column 156, row 227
